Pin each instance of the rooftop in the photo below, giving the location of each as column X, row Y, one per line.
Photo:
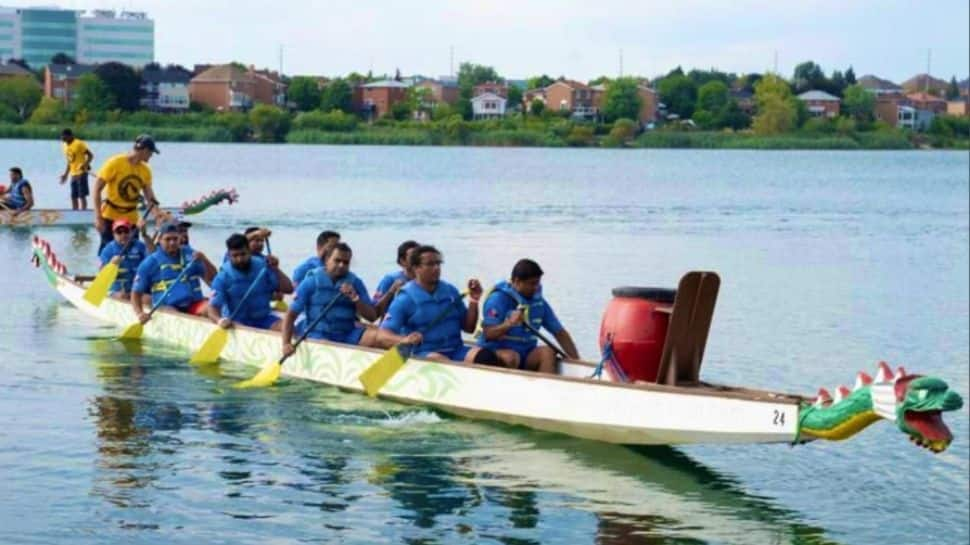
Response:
column 818, row 95
column 71, row 70
column 386, row 83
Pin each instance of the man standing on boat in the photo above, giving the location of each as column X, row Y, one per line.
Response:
column 244, row 286
column 79, row 159
column 335, row 290
column 511, row 303
column 388, row 287
column 160, row 270
column 127, row 256
column 434, row 309
column 124, row 178
column 325, row 240
column 19, row 197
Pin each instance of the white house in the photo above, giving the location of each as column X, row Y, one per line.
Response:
column 488, row 106
column 165, row 89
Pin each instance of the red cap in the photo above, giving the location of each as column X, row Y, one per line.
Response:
column 120, row 223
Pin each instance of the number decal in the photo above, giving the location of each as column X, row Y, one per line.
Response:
column 779, row 419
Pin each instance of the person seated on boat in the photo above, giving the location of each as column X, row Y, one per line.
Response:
column 388, row 287
column 508, row 305
column 434, row 308
column 126, row 257
column 241, row 274
column 183, row 230
column 124, row 178
column 161, row 268
column 332, row 282
column 325, row 240
column 19, row 197
column 257, row 240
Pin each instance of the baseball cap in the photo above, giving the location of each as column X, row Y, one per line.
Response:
column 181, row 222
column 145, row 141
column 169, row 227
column 120, row 223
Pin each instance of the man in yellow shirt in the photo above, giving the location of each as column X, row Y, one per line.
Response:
column 79, row 159
column 123, row 179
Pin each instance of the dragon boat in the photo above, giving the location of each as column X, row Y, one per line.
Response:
column 580, row 400
column 43, row 217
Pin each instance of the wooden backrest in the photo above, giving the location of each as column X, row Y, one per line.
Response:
column 690, row 322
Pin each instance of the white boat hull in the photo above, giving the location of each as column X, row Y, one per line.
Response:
column 52, row 217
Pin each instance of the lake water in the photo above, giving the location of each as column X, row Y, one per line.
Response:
column 830, row 261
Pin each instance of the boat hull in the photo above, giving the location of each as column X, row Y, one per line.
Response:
column 51, row 217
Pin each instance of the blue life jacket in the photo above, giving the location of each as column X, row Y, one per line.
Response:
column 187, row 291
column 235, row 283
column 16, row 198
column 130, row 261
column 518, row 337
column 342, row 316
column 445, row 335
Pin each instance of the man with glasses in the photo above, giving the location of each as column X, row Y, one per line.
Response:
column 434, row 310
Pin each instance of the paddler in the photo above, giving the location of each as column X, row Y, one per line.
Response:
column 507, row 306
column 127, row 252
column 257, row 240
column 19, row 197
column 124, row 178
column 388, row 287
column 434, row 310
column 325, row 240
column 161, row 268
column 333, row 282
column 79, row 159
column 261, row 278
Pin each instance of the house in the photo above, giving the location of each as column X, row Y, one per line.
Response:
column 820, row 103
column 878, row 86
column 268, row 87
column 492, row 87
column 890, row 110
column 13, row 70
column 376, row 99
column 532, row 95
column 925, row 83
column 439, row 92
column 60, row 80
column 926, row 101
column 572, row 96
column 165, row 89
column 233, row 87
column 488, row 106
column 649, row 102
column 964, row 87
column 959, row 107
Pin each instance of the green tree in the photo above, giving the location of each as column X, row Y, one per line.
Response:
column 858, row 103
column 850, row 77
column 304, row 93
column 49, row 112
column 622, row 99
column 537, row 107
column 623, row 130
column 269, row 123
column 514, row 97
column 535, row 82
column 62, row 58
column 952, row 89
column 836, row 84
column 21, row 95
column 679, row 93
column 808, row 76
column 700, row 77
column 602, row 80
column 776, row 111
column 92, row 95
column 580, row 135
column 713, row 96
column 401, row 110
column 732, row 117
column 337, row 95
column 470, row 74
column 123, row 82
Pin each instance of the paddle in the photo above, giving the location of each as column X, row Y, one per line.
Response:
column 270, row 372
column 134, row 331
column 378, row 373
column 279, row 304
column 216, row 341
column 534, row 331
column 102, row 282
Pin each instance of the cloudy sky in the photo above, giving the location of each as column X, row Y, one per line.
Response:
column 578, row 39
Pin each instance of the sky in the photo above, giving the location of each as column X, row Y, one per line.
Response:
column 572, row 38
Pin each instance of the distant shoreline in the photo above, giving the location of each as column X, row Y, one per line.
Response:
column 522, row 138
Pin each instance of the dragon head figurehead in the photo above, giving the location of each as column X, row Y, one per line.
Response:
column 920, row 402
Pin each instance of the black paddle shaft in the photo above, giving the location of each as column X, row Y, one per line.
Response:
column 312, row 324
column 534, row 331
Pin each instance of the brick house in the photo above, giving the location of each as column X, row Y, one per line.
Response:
column 959, row 107
column 926, row 101
column 60, row 80
column 231, row 87
column 889, row 108
column 531, row 95
column 493, row 87
column 377, row 98
column 648, row 107
column 820, row 103
column 440, row 91
column 577, row 98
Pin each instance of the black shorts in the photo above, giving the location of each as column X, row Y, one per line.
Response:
column 79, row 186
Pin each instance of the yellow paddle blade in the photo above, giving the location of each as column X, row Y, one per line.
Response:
column 99, row 287
column 265, row 377
column 211, row 348
column 376, row 376
column 132, row 332
column 279, row 305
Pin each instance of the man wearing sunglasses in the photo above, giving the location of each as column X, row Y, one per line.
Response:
column 127, row 256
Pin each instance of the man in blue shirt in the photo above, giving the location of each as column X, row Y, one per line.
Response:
column 160, row 270
column 433, row 308
column 126, row 257
column 333, row 282
column 507, row 307
column 261, row 278
column 388, row 287
column 325, row 240
column 19, row 197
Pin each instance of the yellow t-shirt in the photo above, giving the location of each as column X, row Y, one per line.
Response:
column 76, row 153
column 123, row 184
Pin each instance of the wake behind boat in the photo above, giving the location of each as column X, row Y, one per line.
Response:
column 677, row 408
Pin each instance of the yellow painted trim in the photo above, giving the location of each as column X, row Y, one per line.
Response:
column 846, row 429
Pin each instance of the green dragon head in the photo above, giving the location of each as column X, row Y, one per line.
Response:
column 916, row 404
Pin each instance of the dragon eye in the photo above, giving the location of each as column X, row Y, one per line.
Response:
column 922, row 395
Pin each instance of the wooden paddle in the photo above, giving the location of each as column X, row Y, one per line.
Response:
column 270, row 372
column 102, row 282
column 134, row 331
column 216, row 341
column 378, row 373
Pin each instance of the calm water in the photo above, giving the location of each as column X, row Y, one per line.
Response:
column 829, row 262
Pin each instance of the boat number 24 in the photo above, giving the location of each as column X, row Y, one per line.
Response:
column 779, row 418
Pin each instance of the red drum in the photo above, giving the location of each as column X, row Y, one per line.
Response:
column 637, row 329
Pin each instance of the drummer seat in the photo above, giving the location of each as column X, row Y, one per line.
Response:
column 690, row 322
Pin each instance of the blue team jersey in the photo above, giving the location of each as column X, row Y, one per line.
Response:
column 414, row 309
column 503, row 301
column 316, row 292
column 301, row 270
column 159, row 270
column 231, row 284
column 131, row 259
column 385, row 284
